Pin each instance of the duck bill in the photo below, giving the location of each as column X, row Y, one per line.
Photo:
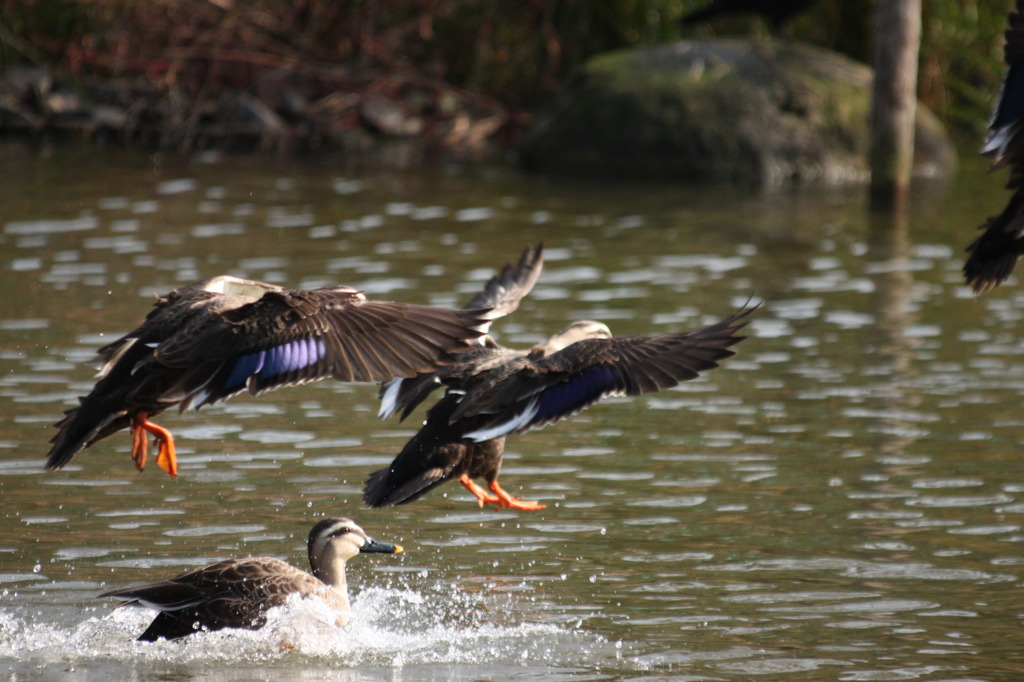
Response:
column 374, row 547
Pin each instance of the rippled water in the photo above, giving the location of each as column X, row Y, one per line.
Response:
column 842, row 500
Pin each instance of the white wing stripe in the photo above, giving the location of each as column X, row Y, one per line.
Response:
column 388, row 401
column 517, row 421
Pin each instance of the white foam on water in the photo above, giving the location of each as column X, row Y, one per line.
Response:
column 387, row 627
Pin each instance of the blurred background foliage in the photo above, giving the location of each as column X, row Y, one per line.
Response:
column 516, row 52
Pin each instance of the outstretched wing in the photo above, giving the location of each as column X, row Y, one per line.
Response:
column 287, row 338
column 505, row 290
column 564, row 383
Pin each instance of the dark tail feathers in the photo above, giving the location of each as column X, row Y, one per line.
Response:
column 81, row 427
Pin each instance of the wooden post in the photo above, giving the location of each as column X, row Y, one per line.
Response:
column 894, row 100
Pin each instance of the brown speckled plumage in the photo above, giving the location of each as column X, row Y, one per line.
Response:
column 236, row 593
column 493, row 391
column 214, row 339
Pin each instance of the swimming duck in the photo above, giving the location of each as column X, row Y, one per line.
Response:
column 493, row 391
column 993, row 255
column 237, row 593
column 216, row 338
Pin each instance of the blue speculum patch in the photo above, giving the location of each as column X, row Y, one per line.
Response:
column 288, row 357
column 581, row 390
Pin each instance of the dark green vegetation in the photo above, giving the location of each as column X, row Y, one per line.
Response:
column 763, row 113
column 457, row 71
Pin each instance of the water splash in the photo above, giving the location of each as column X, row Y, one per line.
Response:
column 390, row 627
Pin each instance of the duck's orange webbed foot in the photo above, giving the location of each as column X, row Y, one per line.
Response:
column 166, row 457
column 481, row 495
column 140, row 442
column 506, row 501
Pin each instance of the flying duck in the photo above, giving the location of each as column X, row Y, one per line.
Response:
column 993, row 255
column 492, row 391
column 236, row 593
column 208, row 341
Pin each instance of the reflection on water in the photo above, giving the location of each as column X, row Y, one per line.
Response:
column 841, row 500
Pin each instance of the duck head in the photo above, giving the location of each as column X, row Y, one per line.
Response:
column 333, row 541
column 577, row 331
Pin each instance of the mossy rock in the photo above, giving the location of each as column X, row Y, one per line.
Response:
column 767, row 112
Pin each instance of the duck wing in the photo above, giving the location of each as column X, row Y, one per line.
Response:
column 286, row 338
column 503, row 292
column 171, row 312
column 231, row 593
column 993, row 255
column 536, row 392
column 254, row 579
column 501, row 295
column 1003, row 139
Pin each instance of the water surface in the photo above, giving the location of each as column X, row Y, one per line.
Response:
column 841, row 500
